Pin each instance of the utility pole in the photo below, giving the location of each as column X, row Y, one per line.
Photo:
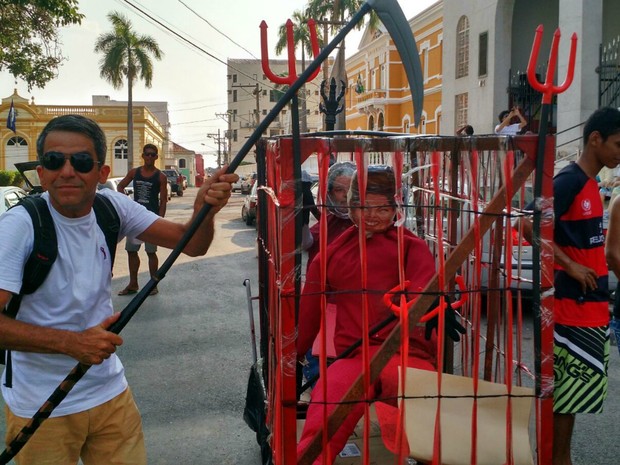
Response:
column 228, row 135
column 255, row 92
column 219, row 140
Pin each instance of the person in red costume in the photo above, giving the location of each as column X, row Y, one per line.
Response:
column 344, row 284
column 338, row 183
column 338, row 221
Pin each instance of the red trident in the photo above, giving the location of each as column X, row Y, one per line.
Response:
column 290, row 45
column 548, row 89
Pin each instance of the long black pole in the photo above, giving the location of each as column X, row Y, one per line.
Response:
column 129, row 311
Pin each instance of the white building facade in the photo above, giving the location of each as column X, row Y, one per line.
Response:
column 487, row 49
column 251, row 95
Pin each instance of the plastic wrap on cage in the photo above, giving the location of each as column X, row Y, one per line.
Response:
column 463, row 198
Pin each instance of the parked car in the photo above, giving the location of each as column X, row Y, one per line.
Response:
column 129, row 189
column 112, row 183
column 28, row 170
column 248, row 210
column 175, row 179
column 236, row 187
column 9, row 196
column 246, row 185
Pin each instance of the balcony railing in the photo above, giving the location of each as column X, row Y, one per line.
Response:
column 371, row 95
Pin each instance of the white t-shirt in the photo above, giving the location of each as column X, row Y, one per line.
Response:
column 510, row 130
column 75, row 296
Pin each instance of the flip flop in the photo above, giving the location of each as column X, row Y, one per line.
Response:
column 154, row 291
column 128, row 291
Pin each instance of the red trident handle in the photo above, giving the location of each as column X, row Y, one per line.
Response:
column 548, row 89
column 290, row 46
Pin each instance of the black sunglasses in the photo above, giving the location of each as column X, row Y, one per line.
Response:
column 82, row 162
column 149, row 154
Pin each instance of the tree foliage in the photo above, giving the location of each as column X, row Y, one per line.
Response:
column 126, row 55
column 301, row 34
column 29, row 42
column 338, row 12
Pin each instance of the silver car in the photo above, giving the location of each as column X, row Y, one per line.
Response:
column 9, row 196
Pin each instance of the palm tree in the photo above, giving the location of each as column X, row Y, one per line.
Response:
column 301, row 36
column 335, row 13
column 126, row 54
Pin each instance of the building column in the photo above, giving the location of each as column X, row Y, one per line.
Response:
column 581, row 98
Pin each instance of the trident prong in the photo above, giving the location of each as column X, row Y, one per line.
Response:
column 547, row 88
column 290, row 46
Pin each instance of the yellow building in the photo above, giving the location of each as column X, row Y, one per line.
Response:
column 20, row 145
column 378, row 96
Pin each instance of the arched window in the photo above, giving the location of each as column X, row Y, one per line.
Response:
column 380, row 123
column 16, row 141
column 371, row 123
column 120, row 149
column 462, row 47
column 406, row 125
column 182, row 163
column 16, row 151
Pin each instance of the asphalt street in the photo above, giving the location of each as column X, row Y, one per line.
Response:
column 187, row 355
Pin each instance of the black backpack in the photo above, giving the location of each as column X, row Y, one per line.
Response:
column 45, row 251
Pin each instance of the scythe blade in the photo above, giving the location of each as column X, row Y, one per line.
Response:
column 397, row 25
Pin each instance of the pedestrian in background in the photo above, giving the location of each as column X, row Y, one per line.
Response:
column 506, row 127
column 467, row 130
column 581, row 304
column 150, row 190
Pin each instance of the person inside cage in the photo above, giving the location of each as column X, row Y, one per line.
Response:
column 345, row 267
column 338, row 183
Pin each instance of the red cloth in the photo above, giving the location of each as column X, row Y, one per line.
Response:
column 344, row 282
column 344, row 288
column 335, row 227
column 340, row 376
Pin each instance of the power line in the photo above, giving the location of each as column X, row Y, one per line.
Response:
column 197, row 47
column 186, row 40
column 216, row 29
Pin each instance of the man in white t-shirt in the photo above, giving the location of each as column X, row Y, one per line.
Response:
column 506, row 127
column 66, row 319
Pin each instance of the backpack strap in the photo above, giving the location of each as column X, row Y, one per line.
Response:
column 38, row 265
column 44, row 250
column 109, row 222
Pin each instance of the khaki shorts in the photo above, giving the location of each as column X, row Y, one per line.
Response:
column 133, row 245
column 108, row 433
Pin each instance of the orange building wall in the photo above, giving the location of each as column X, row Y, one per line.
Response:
column 360, row 107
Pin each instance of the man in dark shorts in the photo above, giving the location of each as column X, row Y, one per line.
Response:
column 150, row 190
column 581, row 308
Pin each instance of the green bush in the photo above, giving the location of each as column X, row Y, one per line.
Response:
column 7, row 177
column 18, row 181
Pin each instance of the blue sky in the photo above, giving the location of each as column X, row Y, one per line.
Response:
column 193, row 83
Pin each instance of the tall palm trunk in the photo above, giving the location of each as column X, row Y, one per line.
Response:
column 130, row 150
